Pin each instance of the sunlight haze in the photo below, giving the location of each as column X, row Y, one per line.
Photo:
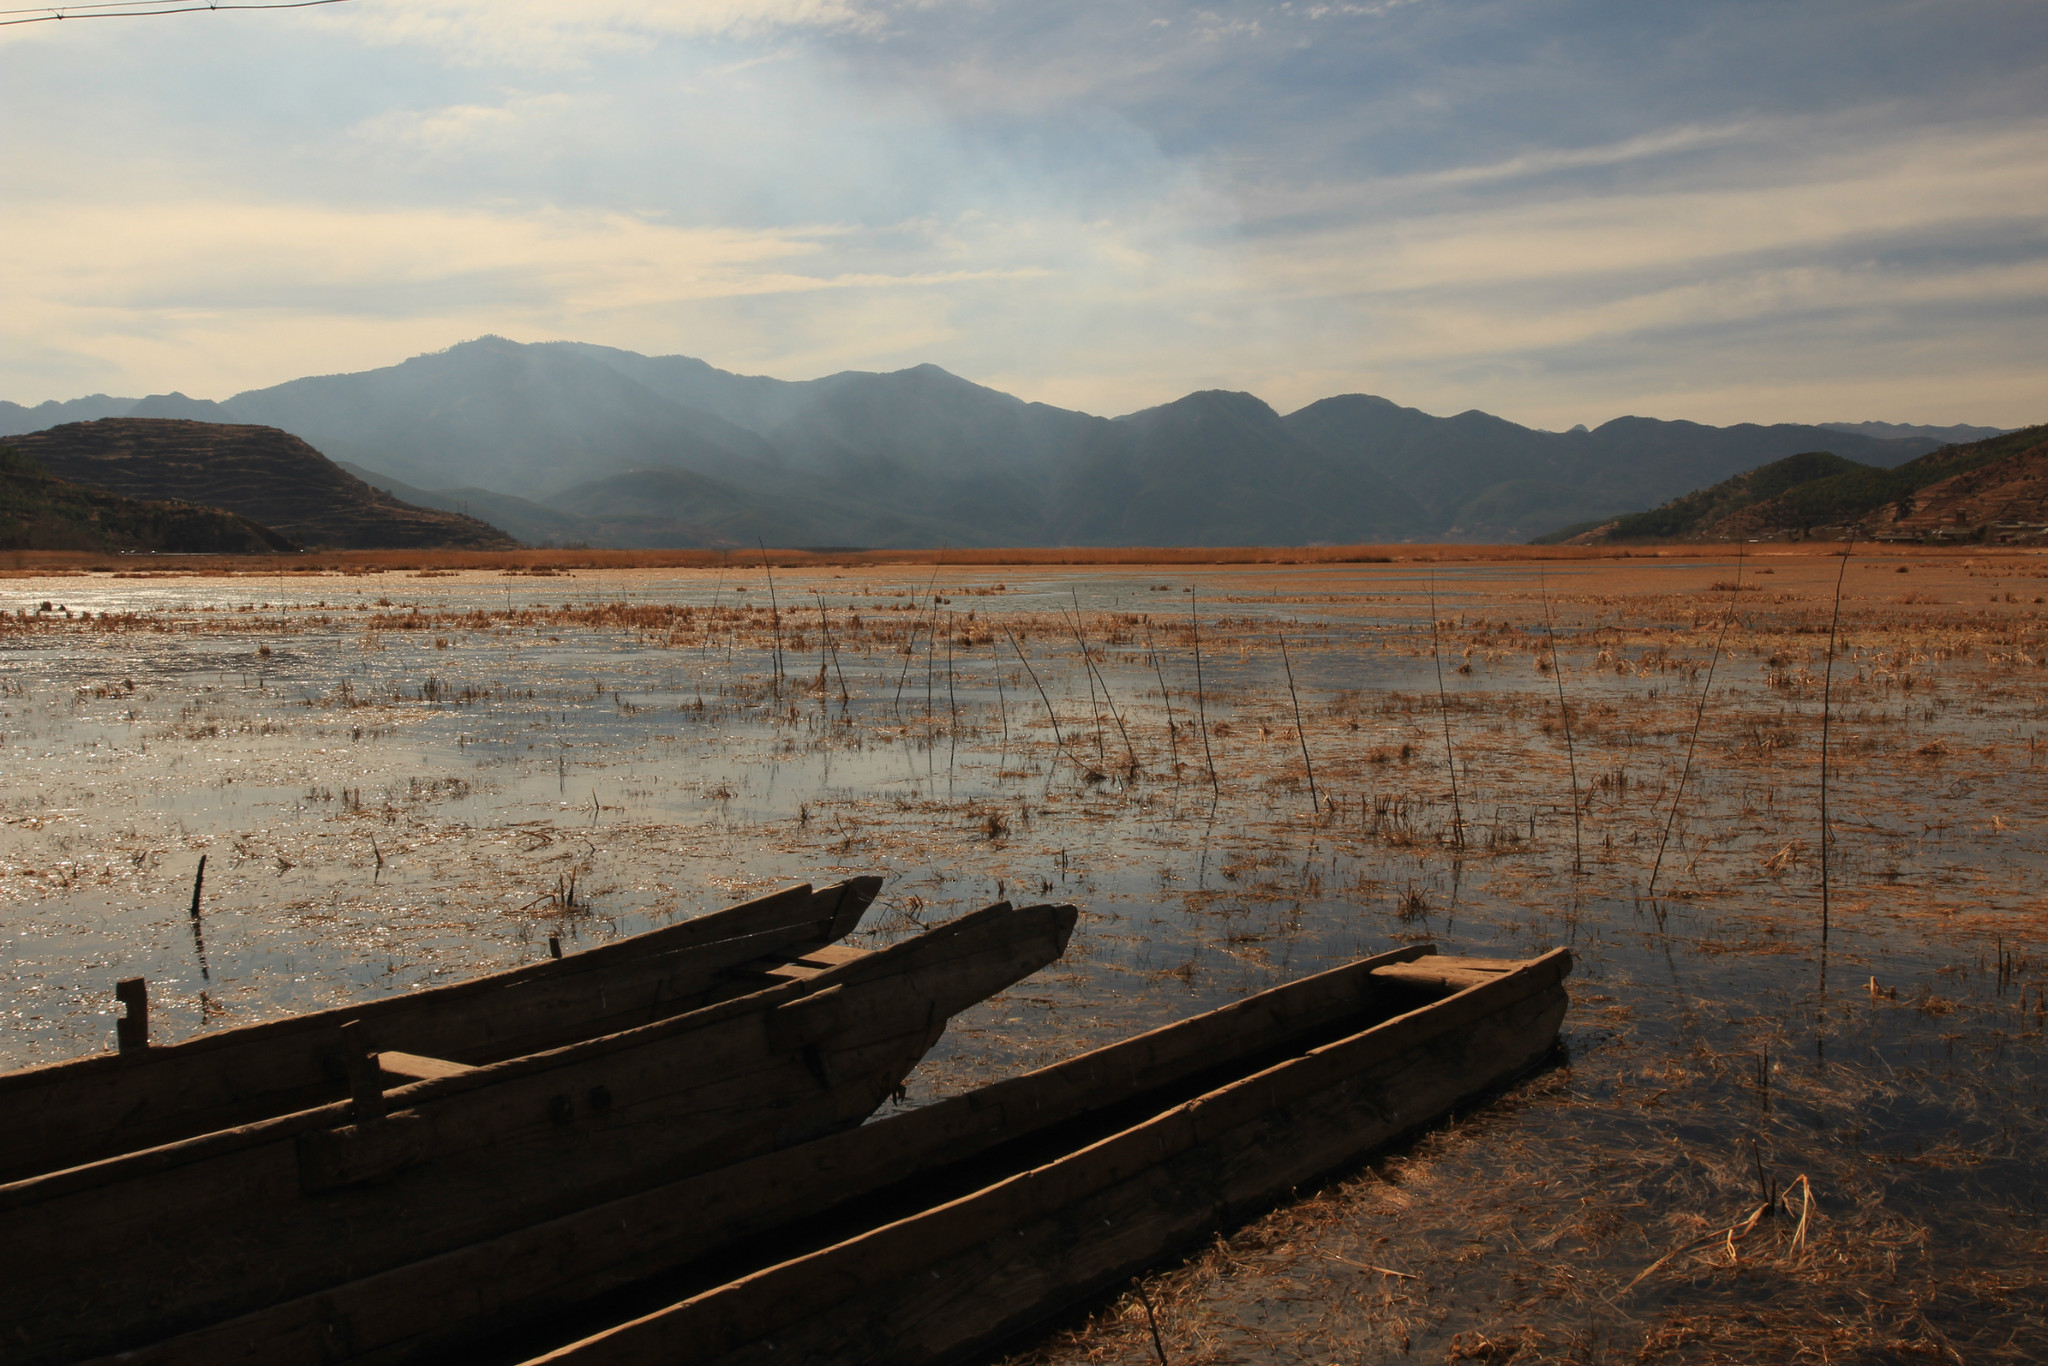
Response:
column 1556, row 212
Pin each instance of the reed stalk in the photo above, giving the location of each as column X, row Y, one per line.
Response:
column 1172, row 741
column 1088, row 673
column 1201, row 702
column 1565, row 715
column 1698, row 716
column 910, row 655
column 1300, row 730
column 825, row 629
column 903, row 674
column 1002, row 703
column 1095, row 676
column 774, row 617
column 1443, row 711
column 1050, row 715
column 1827, row 695
column 952, row 703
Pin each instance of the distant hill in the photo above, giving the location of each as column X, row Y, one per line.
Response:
column 1218, row 468
column 41, row 512
column 1482, row 478
column 16, row 418
column 1952, row 435
column 525, row 521
column 1986, row 490
column 266, row 475
column 576, row 436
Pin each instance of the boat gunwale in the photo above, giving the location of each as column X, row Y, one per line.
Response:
column 844, row 1262
column 648, row 943
column 949, row 1130
column 401, row 1101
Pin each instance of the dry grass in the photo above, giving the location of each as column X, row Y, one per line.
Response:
column 20, row 563
column 628, row 730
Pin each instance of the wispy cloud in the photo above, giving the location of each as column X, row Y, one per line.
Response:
column 1556, row 209
column 547, row 35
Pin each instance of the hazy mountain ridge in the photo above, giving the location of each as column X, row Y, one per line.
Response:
column 1955, row 434
column 921, row 456
column 1481, row 477
column 16, row 418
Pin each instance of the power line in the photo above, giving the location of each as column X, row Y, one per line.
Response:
column 137, row 9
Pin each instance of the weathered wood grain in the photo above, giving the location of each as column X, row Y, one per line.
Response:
column 944, row 1282
column 90, row 1108
column 410, row 1312
column 145, row 1245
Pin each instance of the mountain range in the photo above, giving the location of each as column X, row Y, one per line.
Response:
column 1990, row 490
column 564, row 442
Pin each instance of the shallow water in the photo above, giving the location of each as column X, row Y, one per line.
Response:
column 404, row 780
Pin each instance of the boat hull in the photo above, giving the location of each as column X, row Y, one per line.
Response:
column 944, row 1283
column 86, row 1109
column 127, row 1251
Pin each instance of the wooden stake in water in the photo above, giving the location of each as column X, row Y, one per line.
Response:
column 198, row 882
column 1827, row 695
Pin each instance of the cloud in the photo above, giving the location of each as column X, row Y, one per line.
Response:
column 547, row 35
column 1549, row 208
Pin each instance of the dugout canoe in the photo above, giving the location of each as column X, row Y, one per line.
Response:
column 90, row 1108
column 143, row 1246
column 1055, row 1221
column 928, row 1234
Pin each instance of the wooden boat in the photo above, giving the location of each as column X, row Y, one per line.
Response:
column 95, row 1107
column 929, row 1234
column 136, row 1247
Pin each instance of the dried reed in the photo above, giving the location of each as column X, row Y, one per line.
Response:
column 1699, row 715
column 775, row 619
column 1443, row 709
column 1300, row 728
column 1050, row 715
column 1201, row 704
column 1159, row 671
column 1827, row 698
column 1095, row 676
column 1565, row 716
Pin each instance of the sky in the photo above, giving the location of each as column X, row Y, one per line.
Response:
column 1559, row 211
